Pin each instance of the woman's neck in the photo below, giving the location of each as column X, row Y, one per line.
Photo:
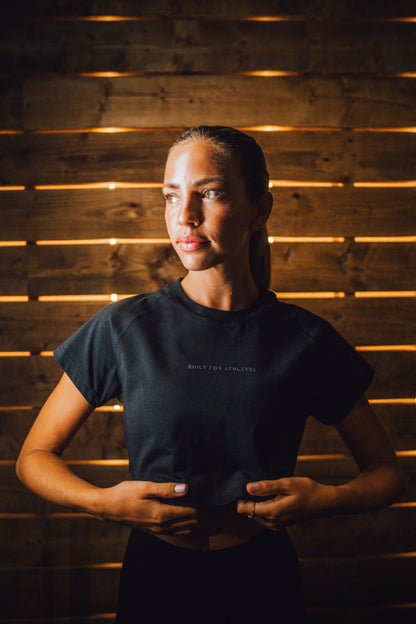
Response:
column 220, row 292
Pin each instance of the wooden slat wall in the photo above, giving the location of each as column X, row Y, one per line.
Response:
column 329, row 90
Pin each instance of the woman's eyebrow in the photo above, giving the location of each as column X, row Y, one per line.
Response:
column 197, row 184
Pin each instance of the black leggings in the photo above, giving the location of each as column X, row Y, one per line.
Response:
column 162, row 583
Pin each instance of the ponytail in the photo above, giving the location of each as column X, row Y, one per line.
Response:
column 259, row 256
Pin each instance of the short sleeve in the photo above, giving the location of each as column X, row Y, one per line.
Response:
column 88, row 358
column 340, row 377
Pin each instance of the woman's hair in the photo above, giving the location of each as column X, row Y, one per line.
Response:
column 252, row 163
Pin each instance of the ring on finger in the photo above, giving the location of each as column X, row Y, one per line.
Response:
column 251, row 514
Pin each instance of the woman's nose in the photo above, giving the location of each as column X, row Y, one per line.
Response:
column 190, row 212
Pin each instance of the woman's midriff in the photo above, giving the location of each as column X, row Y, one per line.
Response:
column 217, row 528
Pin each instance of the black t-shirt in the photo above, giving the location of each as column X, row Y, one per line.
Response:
column 212, row 398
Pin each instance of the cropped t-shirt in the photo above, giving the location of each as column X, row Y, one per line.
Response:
column 213, row 398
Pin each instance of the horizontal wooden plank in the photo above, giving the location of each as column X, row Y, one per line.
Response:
column 171, row 45
column 395, row 374
column 102, row 435
column 399, row 421
column 313, row 9
column 42, row 326
column 296, row 267
column 343, row 581
column 126, row 213
column 13, row 271
column 177, row 101
column 343, row 156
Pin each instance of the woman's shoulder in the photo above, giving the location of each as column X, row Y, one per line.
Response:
column 305, row 321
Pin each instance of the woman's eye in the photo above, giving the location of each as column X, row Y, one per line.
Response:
column 171, row 199
column 212, row 194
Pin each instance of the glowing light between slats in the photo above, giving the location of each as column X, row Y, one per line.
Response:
column 96, row 185
column 386, row 348
column 385, row 239
column 13, row 298
column 309, row 295
column 106, row 298
column 398, row 184
column 363, row 294
column 306, row 239
column 15, row 354
column 105, row 241
column 13, row 243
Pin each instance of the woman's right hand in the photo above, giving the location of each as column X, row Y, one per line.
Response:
column 137, row 504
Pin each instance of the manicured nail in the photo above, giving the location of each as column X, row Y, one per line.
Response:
column 180, row 489
column 254, row 487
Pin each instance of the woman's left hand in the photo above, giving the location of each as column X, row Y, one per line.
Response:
column 294, row 499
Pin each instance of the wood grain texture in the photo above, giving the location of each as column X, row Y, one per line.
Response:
column 181, row 46
column 175, row 101
column 313, row 9
column 13, row 271
column 35, row 326
column 126, row 213
column 38, row 159
column 124, row 269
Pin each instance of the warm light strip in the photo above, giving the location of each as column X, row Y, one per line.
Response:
column 405, row 504
column 46, row 353
column 30, row 515
column 13, row 298
column 13, row 243
column 306, row 239
column 303, row 183
column 385, row 239
column 44, row 298
column 411, row 401
column 309, row 295
column 97, row 462
column 403, row 75
column 111, row 74
column 406, row 453
column 102, row 18
column 401, row 129
column 363, row 294
column 16, row 408
column 387, row 348
column 12, row 188
column 15, row 354
column 264, row 128
column 106, row 241
column 96, row 185
column 266, row 73
column 402, row 184
column 109, row 408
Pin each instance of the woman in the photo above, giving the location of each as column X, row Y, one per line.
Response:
column 217, row 378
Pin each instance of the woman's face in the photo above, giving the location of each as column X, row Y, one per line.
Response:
column 208, row 215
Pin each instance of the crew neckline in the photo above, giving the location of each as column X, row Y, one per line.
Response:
column 266, row 297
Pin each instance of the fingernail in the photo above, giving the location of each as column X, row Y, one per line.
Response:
column 254, row 487
column 180, row 489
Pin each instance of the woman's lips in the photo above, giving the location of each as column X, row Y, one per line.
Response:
column 192, row 243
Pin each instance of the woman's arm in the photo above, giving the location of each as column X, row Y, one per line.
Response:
column 379, row 483
column 40, row 468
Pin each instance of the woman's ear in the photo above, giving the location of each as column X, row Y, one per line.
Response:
column 263, row 209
